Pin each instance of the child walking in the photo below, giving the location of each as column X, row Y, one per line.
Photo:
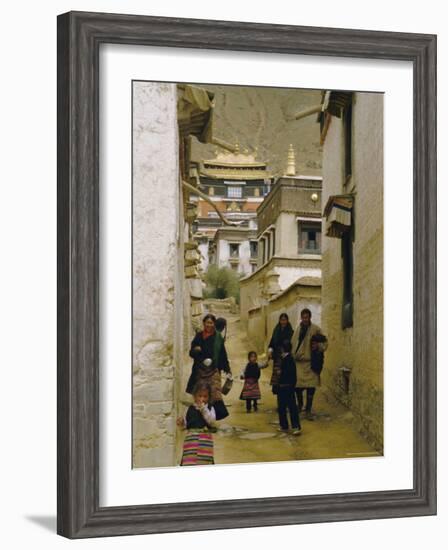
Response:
column 251, row 389
column 198, row 419
column 286, row 391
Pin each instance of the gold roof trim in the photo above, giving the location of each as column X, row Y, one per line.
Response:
column 236, row 174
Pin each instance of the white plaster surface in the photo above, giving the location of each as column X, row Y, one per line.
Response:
column 290, row 274
column 203, row 249
column 155, row 268
column 244, row 265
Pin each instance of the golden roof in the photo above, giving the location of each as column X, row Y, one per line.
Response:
column 235, row 165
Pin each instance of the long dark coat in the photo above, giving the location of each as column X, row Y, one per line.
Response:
column 279, row 335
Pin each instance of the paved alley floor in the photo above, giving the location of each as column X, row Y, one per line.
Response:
column 253, row 437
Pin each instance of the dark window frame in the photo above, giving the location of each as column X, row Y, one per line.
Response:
column 347, row 279
column 253, row 245
column 232, row 255
column 304, row 226
column 348, row 141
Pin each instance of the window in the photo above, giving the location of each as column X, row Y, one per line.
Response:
column 347, row 274
column 344, row 379
column 347, row 121
column 253, row 249
column 234, row 250
column 211, row 252
column 309, row 238
column 234, row 192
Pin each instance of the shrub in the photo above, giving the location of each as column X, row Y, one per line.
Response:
column 222, row 282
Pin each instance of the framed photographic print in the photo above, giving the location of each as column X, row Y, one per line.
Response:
column 246, row 274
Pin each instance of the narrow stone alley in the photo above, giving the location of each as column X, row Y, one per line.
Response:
column 253, row 437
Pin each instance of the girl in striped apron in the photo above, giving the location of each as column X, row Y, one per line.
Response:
column 251, row 388
column 198, row 419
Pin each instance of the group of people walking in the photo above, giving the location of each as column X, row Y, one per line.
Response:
column 297, row 357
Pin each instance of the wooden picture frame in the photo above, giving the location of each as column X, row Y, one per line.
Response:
column 79, row 38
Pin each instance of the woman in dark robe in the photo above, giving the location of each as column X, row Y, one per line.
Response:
column 209, row 359
column 282, row 331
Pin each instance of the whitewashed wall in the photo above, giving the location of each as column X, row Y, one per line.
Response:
column 156, row 273
column 245, row 266
column 205, row 260
column 223, row 251
column 288, row 275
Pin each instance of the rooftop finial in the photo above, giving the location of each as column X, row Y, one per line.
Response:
column 291, row 168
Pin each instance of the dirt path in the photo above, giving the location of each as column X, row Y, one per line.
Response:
column 253, row 437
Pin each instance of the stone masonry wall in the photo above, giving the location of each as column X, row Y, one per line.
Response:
column 263, row 320
column 157, row 277
column 359, row 348
column 251, row 287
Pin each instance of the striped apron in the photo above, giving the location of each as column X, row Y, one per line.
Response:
column 198, row 448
